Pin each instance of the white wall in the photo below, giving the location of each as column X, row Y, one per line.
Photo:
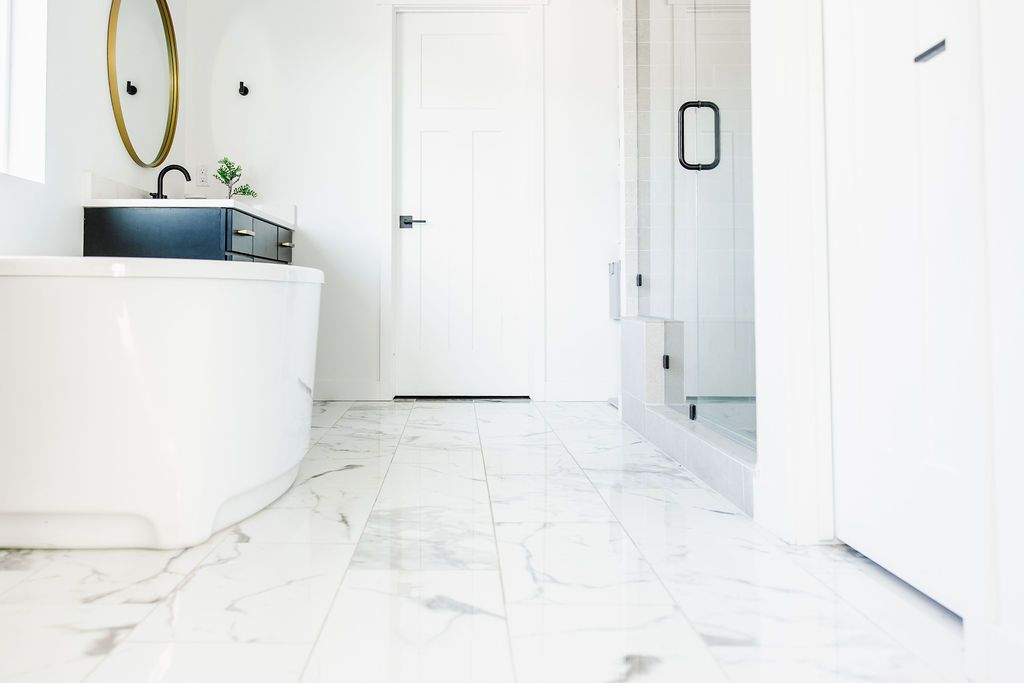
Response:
column 46, row 218
column 996, row 649
column 315, row 132
column 793, row 489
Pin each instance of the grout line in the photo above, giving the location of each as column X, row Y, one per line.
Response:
column 636, row 545
column 337, row 591
column 497, row 553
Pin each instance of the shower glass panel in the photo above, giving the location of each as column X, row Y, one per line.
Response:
column 694, row 199
column 724, row 217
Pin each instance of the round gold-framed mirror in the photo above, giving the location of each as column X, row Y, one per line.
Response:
column 142, row 74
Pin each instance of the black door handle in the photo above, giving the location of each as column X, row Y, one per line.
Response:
column 682, row 136
column 407, row 221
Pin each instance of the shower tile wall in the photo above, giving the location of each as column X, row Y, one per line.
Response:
column 630, row 154
column 656, row 241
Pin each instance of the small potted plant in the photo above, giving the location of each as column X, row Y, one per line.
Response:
column 230, row 174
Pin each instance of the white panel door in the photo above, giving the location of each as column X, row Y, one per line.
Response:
column 463, row 153
column 907, row 284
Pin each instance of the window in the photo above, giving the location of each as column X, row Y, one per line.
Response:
column 23, row 88
column 5, row 83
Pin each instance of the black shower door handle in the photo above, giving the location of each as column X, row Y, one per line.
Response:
column 698, row 104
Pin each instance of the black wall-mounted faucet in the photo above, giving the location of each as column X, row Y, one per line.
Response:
column 159, row 194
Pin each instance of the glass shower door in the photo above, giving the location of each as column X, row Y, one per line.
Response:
column 723, row 206
column 694, row 237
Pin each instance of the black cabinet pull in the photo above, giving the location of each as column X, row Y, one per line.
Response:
column 698, row 104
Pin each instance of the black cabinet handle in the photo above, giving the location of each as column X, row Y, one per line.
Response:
column 698, row 104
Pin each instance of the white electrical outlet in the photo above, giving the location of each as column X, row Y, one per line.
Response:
column 204, row 177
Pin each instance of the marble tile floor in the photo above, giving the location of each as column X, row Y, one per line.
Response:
column 477, row 542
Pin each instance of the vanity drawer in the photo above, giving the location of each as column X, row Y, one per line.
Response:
column 265, row 241
column 238, row 257
column 240, row 233
column 285, row 244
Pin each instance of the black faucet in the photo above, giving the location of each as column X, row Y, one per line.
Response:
column 159, row 194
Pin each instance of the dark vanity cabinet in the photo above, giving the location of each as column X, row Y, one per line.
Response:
column 220, row 234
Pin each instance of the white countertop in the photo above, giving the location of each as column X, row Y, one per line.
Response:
column 269, row 214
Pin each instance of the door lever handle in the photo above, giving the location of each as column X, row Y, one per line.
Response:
column 407, row 221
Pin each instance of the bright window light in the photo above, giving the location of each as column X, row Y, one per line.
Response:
column 23, row 88
column 5, row 83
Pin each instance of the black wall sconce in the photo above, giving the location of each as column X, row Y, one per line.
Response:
column 243, row 89
column 131, row 88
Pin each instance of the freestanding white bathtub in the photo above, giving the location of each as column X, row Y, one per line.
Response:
column 149, row 402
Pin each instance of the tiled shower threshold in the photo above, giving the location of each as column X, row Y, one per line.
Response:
column 722, row 463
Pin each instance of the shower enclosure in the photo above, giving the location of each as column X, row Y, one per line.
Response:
column 689, row 77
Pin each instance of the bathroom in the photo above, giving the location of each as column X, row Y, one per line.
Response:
column 547, row 340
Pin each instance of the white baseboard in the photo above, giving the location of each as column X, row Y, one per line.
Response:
column 369, row 390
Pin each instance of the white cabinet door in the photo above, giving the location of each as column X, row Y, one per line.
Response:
column 907, row 283
column 464, row 138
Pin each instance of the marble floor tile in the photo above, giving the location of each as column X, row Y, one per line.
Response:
column 338, row 493
column 432, row 513
column 551, row 460
column 640, row 456
column 478, row 542
column 103, row 577
column 925, row 628
column 251, row 593
column 593, row 642
column 464, row 457
column 496, row 423
column 202, row 663
column 575, row 564
column 326, row 413
column 532, row 498
column 15, row 567
column 373, row 419
column 426, row 538
column 456, row 417
column 316, row 433
column 536, row 440
column 420, row 627
column 301, row 525
column 336, row 444
column 54, row 643
column 824, row 665
column 425, row 436
column 581, row 442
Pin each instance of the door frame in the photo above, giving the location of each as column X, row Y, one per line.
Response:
column 536, row 295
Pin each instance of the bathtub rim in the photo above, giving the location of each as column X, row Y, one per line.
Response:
column 117, row 267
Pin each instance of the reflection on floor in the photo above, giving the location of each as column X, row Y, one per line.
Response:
column 482, row 542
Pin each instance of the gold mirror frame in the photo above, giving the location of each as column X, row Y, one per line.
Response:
column 115, row 90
